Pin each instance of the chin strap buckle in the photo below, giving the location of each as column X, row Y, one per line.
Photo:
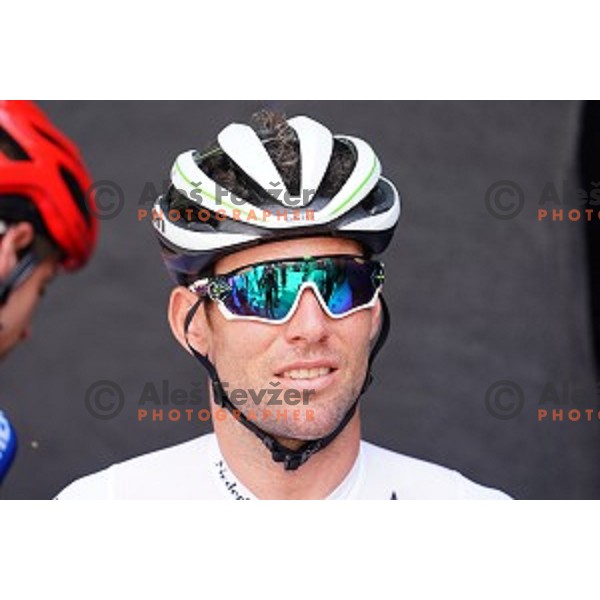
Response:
column 291, row 459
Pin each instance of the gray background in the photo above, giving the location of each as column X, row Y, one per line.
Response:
column 474, row 299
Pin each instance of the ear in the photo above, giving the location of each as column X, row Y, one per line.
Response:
column 16, row 238
column 180, row 304
column 375, row 322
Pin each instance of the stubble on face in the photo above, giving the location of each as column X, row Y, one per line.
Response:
column 252, row 356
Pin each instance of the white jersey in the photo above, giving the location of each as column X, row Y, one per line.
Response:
column 197, row 470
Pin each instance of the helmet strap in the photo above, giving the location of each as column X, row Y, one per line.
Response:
column 291, row 459
column 21, row 271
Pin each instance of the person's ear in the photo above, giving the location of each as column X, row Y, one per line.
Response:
column 180, row 304
column 16, row 238
column 376, row 316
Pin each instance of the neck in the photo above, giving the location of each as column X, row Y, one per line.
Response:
column 251, row 462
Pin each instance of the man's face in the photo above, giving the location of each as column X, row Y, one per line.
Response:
column 17, row 314
column 254, row 355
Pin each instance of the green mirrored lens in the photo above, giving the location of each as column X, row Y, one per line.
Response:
column 269, row 290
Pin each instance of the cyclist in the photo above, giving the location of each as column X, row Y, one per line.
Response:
column 287, row 201
column 45, row 221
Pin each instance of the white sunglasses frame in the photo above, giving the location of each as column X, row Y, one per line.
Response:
column 307, row 284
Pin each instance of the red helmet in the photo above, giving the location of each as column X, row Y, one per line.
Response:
column 44, row 166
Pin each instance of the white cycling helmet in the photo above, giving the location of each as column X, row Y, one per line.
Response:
column 365, row 207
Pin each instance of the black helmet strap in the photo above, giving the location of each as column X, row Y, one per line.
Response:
column 290, row 458
column 20, row 273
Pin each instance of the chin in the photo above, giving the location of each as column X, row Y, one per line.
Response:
column 298, row 423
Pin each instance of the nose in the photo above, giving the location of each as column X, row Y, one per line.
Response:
column 26, row 334
column 309, row 323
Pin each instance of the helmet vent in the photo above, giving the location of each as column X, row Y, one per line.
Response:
column 227, row 174
column 50, row 138
column 11, row 148
column 76, row 192
column 341, row 165
column 368, row 204
column 189, row 211
column 286, row 157
column 282, row 145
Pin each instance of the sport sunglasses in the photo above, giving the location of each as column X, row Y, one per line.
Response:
column 269, row 292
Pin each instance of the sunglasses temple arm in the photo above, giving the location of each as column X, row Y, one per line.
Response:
column 379, row 343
